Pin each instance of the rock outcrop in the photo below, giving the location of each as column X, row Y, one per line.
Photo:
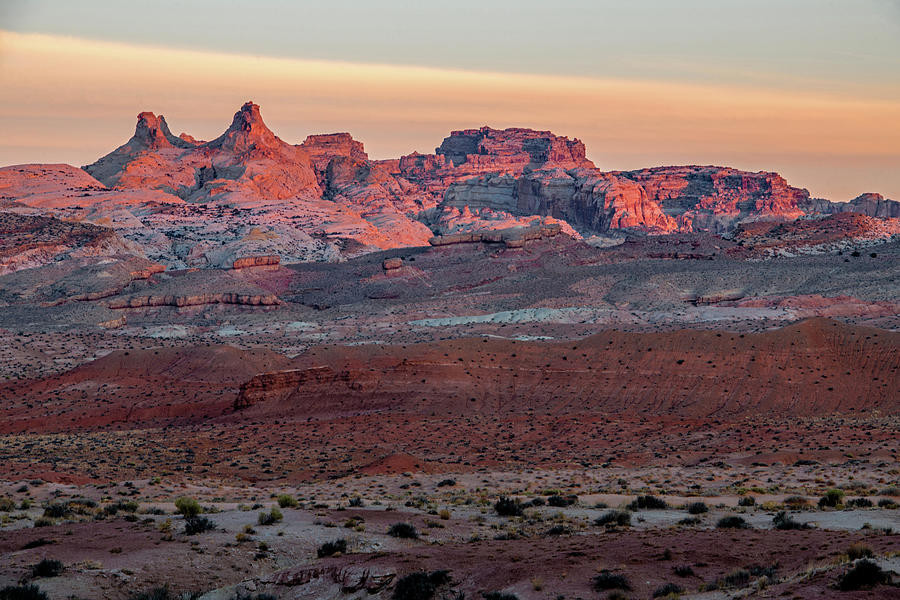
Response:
column 869, row 204
column 31, row 241
column 514, row 148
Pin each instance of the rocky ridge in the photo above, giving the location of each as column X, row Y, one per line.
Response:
column 247, row 194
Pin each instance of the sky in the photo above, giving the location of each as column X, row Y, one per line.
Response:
column 807, row 88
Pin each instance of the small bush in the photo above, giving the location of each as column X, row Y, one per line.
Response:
column 7, row 504
column 736, row 578
column 783, row 521
column 446, row 483
column 621, row 518
column 697, row 508
column 684, row 571
column 332, row 548
column 188, row 507
column 858, row 550
column 832, row 498
column 498, row 596
column 558, row 530
column 747, row 501
column 287, row 501
column 508, row 507
column 864, row 574
column 404, row 531
column 420, row 585
column 157, row 593
column 22, row 592
column 647, row 503
column 669, row 589
column 269, row 518
column 689, row 521
column 44, row 522
column 796, row 501
column 607, row 580
column 56, row 510
column 356, row 502
column 561, row 501
column 732, row 522
column 859, row 503
column 48, row 567
column 887, row 503
column 195, row 525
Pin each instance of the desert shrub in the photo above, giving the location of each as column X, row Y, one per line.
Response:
column 538, row 501
column 796, row 501
column 47, row 567
column 287, row 501
column 887, row 503
column 269, row 518
column 558, row 530
column 404, row 531
column 763, row 570
column 689, row 521
column 129, row 506
column 784, row 521
column 669, row 589
column 420, row 585
column 37, row 543
column 684, row 571
column 561, row 501
column 859, row 503
column 736, row 578
column 22, row 592
column 195, row 525
column 859, row 550
column 332, row 548
column 446, row 483
column 188, row 507
column 647, row 502
column 7, row 504
column 157, row 593
column 508, row 507
column 747, row 501
column 607, row 580
column 56, row 510
column 498, row 596
column 614, row 517
column 891, row 490
column 732, row 522
column 831, row 499
column 864, row 574
column 697, row 508
column 356, row 501
column 44, row 522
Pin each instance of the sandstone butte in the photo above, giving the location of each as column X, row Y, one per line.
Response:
column 249, row 198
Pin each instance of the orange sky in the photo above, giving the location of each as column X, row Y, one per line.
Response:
column 71, row 100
